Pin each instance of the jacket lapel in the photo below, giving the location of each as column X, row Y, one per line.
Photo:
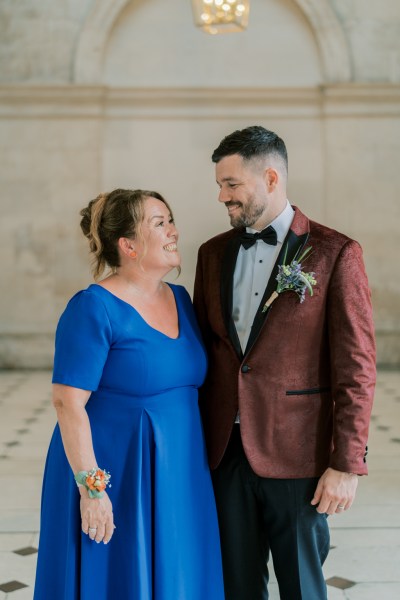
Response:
column 293, row 244
column 227, row 270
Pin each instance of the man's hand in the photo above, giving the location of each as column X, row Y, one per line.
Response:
column 335, row 491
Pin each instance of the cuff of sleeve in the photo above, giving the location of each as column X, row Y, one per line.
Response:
column 356, row 468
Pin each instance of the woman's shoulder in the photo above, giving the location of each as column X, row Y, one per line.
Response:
column 85, row 313
column 86, row 294
column 87, row 300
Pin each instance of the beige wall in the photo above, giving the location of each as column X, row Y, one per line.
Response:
column 95, row 95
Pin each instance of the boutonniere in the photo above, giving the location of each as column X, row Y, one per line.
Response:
column 291, row 278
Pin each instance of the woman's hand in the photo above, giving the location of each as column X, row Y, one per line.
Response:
column 97, row 517
column 70, row 403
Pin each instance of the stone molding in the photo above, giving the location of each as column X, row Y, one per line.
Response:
column 331, row 40
column 26, row 351
column 72, row 101
column 327, row 29
column 93, row 37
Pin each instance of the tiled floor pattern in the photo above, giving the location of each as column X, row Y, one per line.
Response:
column 364, row 560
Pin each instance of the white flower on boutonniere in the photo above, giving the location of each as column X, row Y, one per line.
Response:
column 291, row 278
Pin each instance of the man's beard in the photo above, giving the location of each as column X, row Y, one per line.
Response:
column 249, row 214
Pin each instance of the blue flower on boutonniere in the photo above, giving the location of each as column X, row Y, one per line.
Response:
column 291, row 278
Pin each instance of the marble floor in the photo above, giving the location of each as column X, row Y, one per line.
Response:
column 364, row 560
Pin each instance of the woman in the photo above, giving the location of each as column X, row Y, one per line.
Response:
column 127, row 366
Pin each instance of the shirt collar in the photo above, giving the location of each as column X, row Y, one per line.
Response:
column 281, row 223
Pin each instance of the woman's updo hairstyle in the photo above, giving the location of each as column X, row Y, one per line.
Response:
column 110, row 217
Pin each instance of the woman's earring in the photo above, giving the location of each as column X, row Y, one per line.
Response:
column 133, row 254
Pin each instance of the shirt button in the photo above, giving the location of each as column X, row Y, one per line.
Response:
column 256, row 294
column 260, row 261
column 245, row 369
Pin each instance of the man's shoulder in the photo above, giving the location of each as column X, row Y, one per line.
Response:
column 322, row 233
column 329, row 235
column 219, row 241
column 324, row 239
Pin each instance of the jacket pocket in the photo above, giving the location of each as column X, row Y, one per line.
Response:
column 315, row 390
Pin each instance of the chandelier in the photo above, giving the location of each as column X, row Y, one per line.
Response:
column 221, row 16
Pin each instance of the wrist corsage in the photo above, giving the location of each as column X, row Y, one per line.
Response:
column 95, row 481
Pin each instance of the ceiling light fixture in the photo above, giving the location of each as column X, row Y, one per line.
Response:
column 221, row 16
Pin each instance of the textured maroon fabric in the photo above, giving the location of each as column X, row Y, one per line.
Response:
column 324, row 345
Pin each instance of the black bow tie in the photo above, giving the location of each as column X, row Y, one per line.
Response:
column 268, row 235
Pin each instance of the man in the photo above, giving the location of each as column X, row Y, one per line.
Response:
column 288, row 396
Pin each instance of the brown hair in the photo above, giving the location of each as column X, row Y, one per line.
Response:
column 109, row 217
column 251, row 143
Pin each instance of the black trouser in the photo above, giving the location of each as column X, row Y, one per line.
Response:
column 258, row 514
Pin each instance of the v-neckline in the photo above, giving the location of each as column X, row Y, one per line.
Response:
column 141, row 316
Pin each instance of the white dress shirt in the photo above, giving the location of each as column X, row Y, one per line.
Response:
column 252, row 272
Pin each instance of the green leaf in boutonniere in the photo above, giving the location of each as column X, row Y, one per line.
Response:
column 291, row 278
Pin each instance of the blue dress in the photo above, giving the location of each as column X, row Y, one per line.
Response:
column 147, row 432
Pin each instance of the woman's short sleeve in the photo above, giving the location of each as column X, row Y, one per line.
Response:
column 83, row 339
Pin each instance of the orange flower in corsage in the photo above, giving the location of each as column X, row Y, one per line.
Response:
column 95, row 481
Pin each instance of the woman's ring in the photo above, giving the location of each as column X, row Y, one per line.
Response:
column 341, row 506
column 92, row 529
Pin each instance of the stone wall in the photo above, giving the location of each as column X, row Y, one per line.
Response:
column 95, row 95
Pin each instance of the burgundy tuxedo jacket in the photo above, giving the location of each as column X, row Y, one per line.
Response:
column 305, row 384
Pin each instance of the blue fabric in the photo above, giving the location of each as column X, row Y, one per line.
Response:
column 147, row 432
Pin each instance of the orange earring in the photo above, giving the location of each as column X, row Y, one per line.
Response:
column 133, row 254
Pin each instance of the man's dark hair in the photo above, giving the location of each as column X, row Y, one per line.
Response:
column 252, row 142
